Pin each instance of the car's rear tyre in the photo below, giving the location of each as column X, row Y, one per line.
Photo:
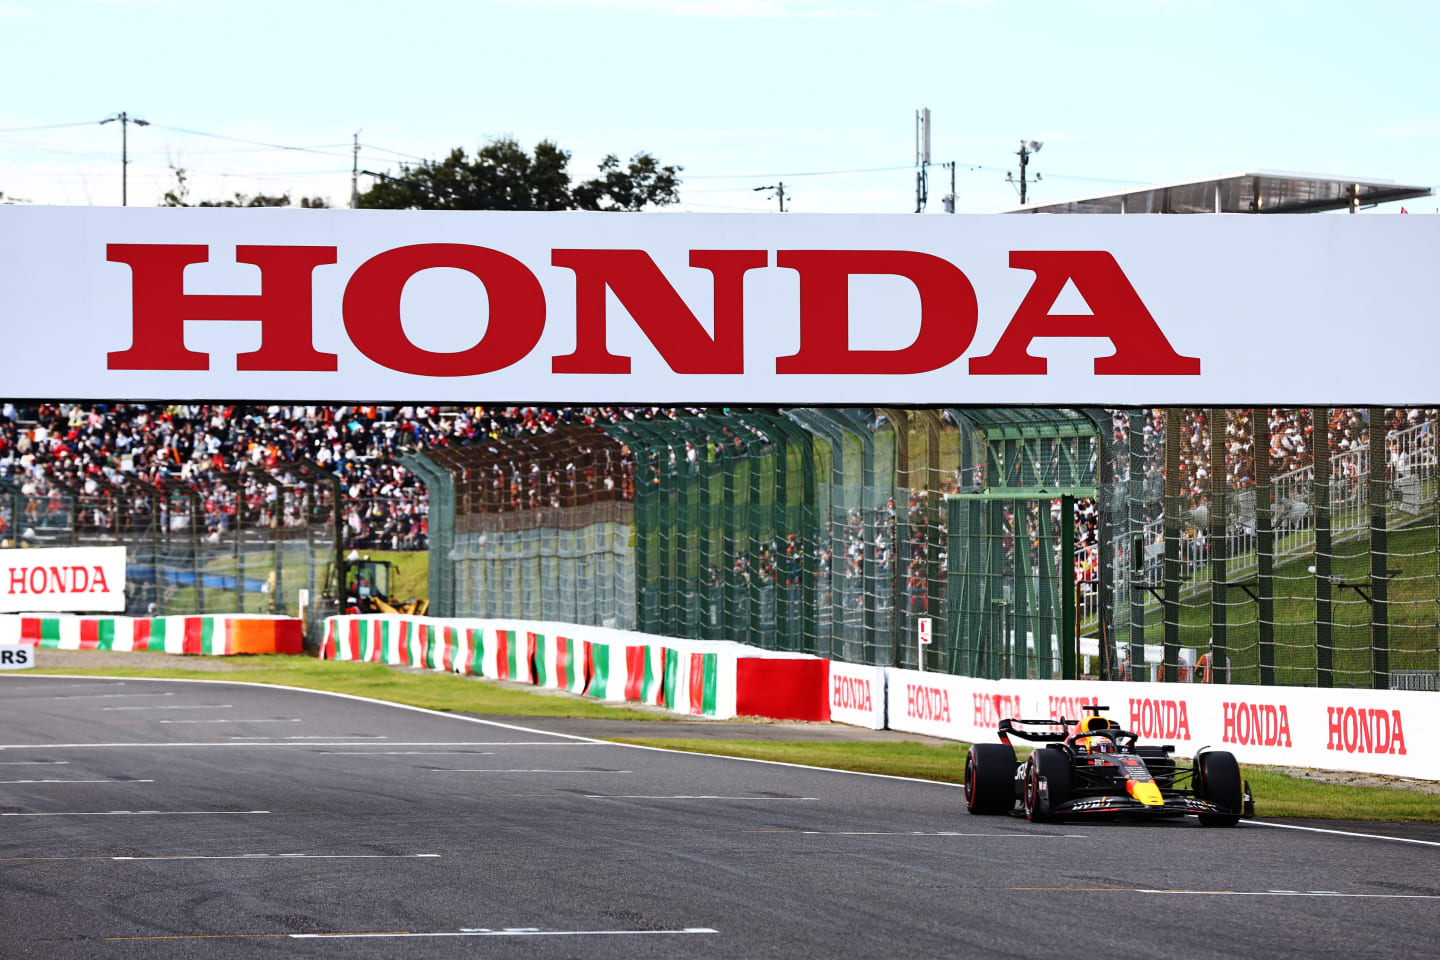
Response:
column 1217, row 779
column 1054, row 766
column 990, row 778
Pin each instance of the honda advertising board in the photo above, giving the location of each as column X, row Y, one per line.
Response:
column 62, row 580
column 1373, row 731
column 697, row 308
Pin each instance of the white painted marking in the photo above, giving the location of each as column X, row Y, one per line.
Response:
column 103, row 696
column 77, row 781
column 342, row 736
column 25, row 763
column 406, row 753
column 944, row 833
column 223, row 743
column 136, row 813
column 1339, row 833
column 515, row 932
column 298, row 856
column 531, row 771
column 1291, row 893
column 229, row 720
column 591, row 796
column 177, row 706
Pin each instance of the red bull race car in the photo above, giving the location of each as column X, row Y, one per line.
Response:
column 1100, row 772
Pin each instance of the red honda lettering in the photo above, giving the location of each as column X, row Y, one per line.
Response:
column 372, row 310
column 1118, row 314
column 98, row 583
column 17, row 579
column 948, row 311
column 160, row 306
column 657, row 310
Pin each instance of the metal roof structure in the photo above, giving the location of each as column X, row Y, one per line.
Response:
column 1261, row 191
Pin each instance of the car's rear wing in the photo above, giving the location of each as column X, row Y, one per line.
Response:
column 1008, row 727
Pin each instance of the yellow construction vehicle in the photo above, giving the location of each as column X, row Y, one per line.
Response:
column 368, row 588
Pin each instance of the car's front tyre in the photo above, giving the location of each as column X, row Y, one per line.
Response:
column 990, row 778
column 1217, row 780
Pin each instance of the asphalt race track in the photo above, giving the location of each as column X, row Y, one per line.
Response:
column 142, row 818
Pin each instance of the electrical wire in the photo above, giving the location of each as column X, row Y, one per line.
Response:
column 48, row 126
column 257, row 143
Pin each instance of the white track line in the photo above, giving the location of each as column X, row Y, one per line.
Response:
column 101, row 696
column 232, row 720
column 504, row 933
column 29, row 763
column 77, row 781
column 1339, row 833
column 525, row 771
column 292, row 744
column 177, row 706
column 406, row 753
column 1292, row 893
column 298, row 856
column 137, row 813
column 944, row 833
column 590, row 796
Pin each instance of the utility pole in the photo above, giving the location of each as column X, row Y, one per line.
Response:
column 949, row 200
column 779, row 189
column 125, row 121
column 922, row 158
column 355, row 173
column 1028, row 148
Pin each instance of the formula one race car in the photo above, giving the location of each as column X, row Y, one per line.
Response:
column 1100, row 772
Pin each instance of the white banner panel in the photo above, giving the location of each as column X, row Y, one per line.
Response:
column 857, row 695
column 1370, row 731
column 62, row 579
column 16, row 656
column 696, row 308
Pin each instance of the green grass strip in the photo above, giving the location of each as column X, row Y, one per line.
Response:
column 1276, row 794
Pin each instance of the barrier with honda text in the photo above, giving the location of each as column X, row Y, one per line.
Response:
column 62, row 580
column 1371, row 731
column 662, row 308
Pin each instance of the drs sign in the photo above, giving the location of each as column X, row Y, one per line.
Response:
column 63, row 580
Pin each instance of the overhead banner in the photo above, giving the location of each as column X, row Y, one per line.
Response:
column 62, row 580
column 341, row 305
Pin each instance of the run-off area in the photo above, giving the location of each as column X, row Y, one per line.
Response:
column 409, row 833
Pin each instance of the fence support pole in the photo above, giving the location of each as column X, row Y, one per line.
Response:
column 239, row 542
column 1219, row 544
column 1264, row 545
column 1172, row 544
column 1135, row 537
column 1379, row 553
column 1324, row 644
column 1067, row 595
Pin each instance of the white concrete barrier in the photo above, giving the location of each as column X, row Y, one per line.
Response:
column 1368, row 731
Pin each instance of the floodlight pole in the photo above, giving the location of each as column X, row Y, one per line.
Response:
column 1024, row 154
column 125, row 121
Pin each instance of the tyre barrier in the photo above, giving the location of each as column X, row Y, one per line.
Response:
column 208, row 635
column 700, row 678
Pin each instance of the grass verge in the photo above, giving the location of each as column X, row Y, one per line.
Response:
column 1276, row 794
column 434, row 691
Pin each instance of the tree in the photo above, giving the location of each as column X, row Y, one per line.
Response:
column 179, row 196
column 502, row 176
column 644, row 182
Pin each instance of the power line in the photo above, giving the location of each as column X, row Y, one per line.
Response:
column 47, row 126
column 257, row 143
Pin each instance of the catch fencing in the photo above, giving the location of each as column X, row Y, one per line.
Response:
column 1040, row 542
column 243, row 542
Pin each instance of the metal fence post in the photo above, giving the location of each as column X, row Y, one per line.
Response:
column 1172, row 510
column 1219, row 544
column 1379, row 553
column 1067, row 595
column 1265, row 545
column 1320, row 438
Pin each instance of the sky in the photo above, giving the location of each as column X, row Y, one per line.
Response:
column 743, row 94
